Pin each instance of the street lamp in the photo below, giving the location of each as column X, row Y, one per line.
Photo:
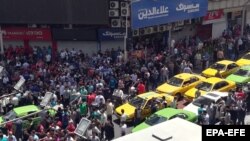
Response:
column 243, row 16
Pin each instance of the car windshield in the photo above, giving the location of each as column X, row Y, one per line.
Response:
column 247, row 56
column 10, row 115
column 242, row 72
column 204, row 86
column 202, row 101
column 218, row 66
column 175, row 81
column 155, row 119
column 137, row 101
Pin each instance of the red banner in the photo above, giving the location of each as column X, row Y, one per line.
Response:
column 214, row 15
column 42, row 34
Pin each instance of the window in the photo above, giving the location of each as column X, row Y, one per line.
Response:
column 218, row 66
column 174, row 81
column 137, row 101
column 202, row 101
column 217, row 86
column 204, row 86
column 180, row 115
column 193, row 79
column 155, row 119
column 232, row 66
column 186, row 83
column 242, row 72
column 220, row 85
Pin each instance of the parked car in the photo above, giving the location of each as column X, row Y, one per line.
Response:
column 205, row 100
column 244, row 60
column 164, row 115
column 240, row 76
column 179, row 84
column 144, row 101
column 24, row 111
column 208, row 85
column 225, row 68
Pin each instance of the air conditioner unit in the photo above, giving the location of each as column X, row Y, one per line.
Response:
column 68, row 26
column 113, row 4
column 155, row 29
column 149, row 30
column 125, row 12
column 113, row 13
column 168, row 27
column 115, row 23
column 161, row 28
column 142, row 31
column 44, row 26
column 180, row 23
column 124, row 23
column 188, row 21
column 124, row 4
column 135, row 32
column 32, row 26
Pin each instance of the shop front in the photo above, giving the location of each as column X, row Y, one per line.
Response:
column 111, row 38
column 84, row 39
column 27, row 37
column 218, row 22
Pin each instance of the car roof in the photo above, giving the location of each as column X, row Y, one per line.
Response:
column 149, row 95
column 171, row 111
column 213, row 79
column 247, row 67
column 26, row 109
column 226, row 62
column 215, row 95
column 185, row 75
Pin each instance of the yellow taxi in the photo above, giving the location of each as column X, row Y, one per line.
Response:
column 225, row 68
column 208, row 85
column 179, row 84
column 244, row 60
column 144, row 101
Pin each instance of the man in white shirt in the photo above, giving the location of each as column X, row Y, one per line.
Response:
column 164, row 74
column 205, row 118
column 123, row 116
column 48, row 58
column 99, row 99
column 109, row 109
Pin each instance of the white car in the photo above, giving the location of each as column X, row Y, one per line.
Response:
column 205, row 100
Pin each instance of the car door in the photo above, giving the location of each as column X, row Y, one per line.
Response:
column 190, row 83
column 222, row 86
column 231, row 68
column 146, row 111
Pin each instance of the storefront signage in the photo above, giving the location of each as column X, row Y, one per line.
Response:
column 155, row 12
column 111, row 34
column 214, row 15
column 43, row 34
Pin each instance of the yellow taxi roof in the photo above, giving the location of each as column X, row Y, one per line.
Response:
column 149, row 95
column 213, row 80
column 185, row 75
column 225, row 62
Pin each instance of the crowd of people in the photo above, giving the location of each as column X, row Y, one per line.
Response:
column 231, row 110
column 96, row 77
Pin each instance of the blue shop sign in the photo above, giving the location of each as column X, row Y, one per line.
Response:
column 155, row 12
column 111, row 34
